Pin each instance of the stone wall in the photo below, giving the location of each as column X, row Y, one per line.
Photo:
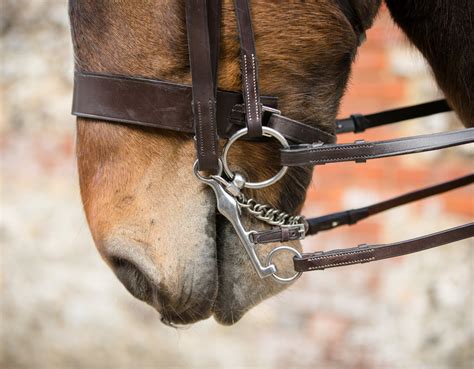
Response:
column 63, row 308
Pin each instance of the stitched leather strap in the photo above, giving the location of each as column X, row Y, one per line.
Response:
column 203, row 79
column 164, row 105
column 360, row 151
column 366, row 253
column 359, row 123
column 248, row 67
column 350, row 217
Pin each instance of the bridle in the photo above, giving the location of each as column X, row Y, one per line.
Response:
column 210, row 114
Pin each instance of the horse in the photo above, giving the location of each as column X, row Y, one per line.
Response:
column 153, row 223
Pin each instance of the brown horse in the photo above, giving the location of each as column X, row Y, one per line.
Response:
column 152, row 221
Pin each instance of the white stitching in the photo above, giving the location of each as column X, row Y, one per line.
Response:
column 314, row 258
column 345, row 158
column 254, row 77
column 343, row 147
column 210, row 105
column 342, row 263
column 247, row 92
column 200, row 141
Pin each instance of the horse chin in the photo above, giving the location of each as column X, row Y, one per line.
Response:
column 240, row 288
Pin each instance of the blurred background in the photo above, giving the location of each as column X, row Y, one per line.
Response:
column 61, row 307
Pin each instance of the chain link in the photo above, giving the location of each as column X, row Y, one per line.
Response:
column 268, row 214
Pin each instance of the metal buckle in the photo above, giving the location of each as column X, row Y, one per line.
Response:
column 301, row 230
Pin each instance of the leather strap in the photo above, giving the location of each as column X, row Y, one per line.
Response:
column 278, row 234
column 164, row 105
column 292, row 130
column 248, row 67
column 350, row 217
column 203, row 74
column 214, row 21
column 361, row 151
column 359, row 123
column 366, row 253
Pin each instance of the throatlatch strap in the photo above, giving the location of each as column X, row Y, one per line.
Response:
column 203, row 72
column 359, row 123
column 349, row 217
column 366, row 253
column 361, row 151
column 248, row 67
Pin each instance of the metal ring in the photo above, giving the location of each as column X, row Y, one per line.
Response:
column 270, row 258
column 268, row 132
column 203, row 178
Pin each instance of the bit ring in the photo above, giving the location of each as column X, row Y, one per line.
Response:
column 268, row 132
column 270, row 258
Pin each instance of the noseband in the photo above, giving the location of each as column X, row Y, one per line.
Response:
column 210, row 114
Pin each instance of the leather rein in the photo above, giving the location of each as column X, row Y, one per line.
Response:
column 210, row 114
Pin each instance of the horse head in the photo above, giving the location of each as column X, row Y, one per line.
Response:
column 152, row 221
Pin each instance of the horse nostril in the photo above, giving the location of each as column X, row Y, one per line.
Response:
column 168, row 296
column 132, row 278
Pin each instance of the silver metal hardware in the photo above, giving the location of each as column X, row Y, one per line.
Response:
column 302, row 227
column 270, row 215
column 238, row 182
column 268, row 132
column 230, row 208
column 275, row 276
column 230, row 201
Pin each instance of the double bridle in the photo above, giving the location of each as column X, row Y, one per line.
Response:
column 210, row 114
